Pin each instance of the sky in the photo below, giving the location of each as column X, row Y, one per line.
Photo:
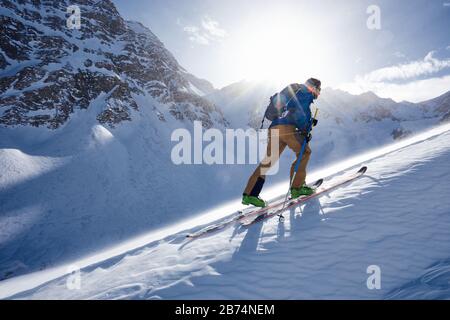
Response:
column 398, row 49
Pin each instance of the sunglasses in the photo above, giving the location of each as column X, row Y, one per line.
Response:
column 314, row 90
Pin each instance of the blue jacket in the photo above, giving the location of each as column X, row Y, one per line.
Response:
column 298, row 111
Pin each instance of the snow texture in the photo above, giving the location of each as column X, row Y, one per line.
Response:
column 397, row 217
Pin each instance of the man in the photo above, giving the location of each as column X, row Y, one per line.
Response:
column 290, row 128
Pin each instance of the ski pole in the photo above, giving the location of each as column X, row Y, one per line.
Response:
column 303, row 148
column 297, row 164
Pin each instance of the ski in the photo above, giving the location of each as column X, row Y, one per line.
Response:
column 246, row 213
column 245, row 221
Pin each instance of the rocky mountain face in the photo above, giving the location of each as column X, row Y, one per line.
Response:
column 48, row 71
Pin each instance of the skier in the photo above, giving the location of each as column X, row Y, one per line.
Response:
column 290, row 128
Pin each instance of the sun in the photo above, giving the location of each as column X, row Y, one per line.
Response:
column 278, row 48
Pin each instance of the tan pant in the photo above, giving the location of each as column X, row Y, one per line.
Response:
column 287, row 137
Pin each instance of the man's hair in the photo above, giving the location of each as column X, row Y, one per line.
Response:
column 313, row 83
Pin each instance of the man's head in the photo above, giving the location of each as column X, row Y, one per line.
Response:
column 313, row 86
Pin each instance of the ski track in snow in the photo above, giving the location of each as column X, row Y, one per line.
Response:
column 397, row 216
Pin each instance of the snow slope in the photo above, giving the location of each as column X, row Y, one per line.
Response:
column 396, row 217
column 66, row 193
column 86, row 118
column 113, row 94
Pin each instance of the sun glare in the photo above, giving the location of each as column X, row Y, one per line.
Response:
column 279, row 49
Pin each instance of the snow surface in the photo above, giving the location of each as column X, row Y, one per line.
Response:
column 66, row 193
column 87, row 187
column 396, row 217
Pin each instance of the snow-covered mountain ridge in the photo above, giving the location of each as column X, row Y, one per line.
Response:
column 244, row 103
column 48, row 72
column 348, row 124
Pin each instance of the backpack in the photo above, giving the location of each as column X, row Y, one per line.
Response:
column 279, row 101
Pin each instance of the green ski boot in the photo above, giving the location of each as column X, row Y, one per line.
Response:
column 256, row 201
column 302, row 191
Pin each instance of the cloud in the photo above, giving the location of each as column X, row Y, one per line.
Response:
column 212, row 27
column 427, row 66
column 209, row 31
column 414, row 91
column 381, row 81
column 195, row 35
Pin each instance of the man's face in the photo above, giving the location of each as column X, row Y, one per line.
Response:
column 315, row 91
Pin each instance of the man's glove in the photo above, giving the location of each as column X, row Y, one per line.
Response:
column 308, row 137
column 314, row 122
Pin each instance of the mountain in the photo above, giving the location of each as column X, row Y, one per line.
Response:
column 86, row 121
column 50, row 72
column 348, row 123
column 439, row 105
column 243, row 102
column 201, row 87
column 251, row 97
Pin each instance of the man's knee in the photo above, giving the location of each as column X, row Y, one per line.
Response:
column 295, row 146
column 307, row 151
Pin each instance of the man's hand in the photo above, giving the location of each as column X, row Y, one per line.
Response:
column 308, row 138
column 314, row 122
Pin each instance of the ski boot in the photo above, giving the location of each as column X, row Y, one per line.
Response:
column 256, row 201
column 302, row 191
